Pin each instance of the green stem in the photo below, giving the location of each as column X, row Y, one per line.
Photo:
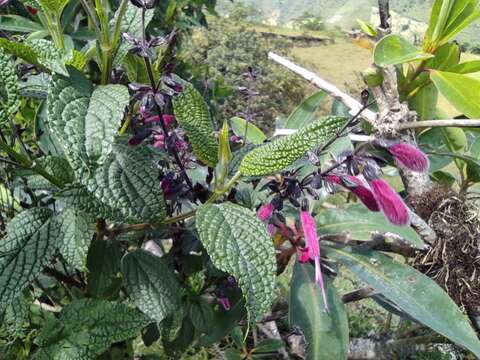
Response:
column 118, row 23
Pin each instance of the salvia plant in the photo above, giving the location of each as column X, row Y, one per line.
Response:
column 131, row 216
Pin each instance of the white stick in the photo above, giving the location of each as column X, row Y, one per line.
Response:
column 353, row 137
column 331, row 89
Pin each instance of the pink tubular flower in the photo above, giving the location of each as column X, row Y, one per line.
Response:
column 409, row 156
column 302, row 255
column 265, row 212
column 167, row 119
column 360, row 190
column 390, row 202
column 311, row 240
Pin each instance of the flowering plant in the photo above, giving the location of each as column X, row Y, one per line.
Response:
column 130, row 217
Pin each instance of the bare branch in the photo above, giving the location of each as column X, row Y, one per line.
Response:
column 439, row 123
column 354, row 105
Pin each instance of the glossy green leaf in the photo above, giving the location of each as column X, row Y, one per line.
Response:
column 30, row 243
column 86, row 328
column 151, row 284
column 425, row 102
column 201, row 314
column 360, row 223
column 415, row 293
column 240, row 127
column 394, row 49
column 467, row 67
column 85, row 119
column 326, row 334
column 455, row 139
column 367, row 28
column 432, row 141
column 305, row 112
column 446, row 56
column 238, row 243
column 16, row 23
column 460, row 90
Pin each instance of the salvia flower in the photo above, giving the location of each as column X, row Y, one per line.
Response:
column 358, row 187
column 312, row 244
column 265, row 212
column 409, row 156
column 390, row 202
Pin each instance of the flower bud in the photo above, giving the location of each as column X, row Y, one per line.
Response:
column 356, row 186
column 265, row 212
column 390, row 202
column 409, row 156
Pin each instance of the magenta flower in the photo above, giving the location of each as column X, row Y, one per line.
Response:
column 390, row 202
column 359, row 188
column 312, row 246
column 409, row 156
column 302, row 255
column 224, row 302
column 167, row 119
column 265, row 212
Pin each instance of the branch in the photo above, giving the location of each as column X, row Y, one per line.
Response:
column 62, row 277
column 357, row 295
column 331, row 89
column 439, row 123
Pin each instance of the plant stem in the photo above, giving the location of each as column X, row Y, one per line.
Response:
column 439, row 123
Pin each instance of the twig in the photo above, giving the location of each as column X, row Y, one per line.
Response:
column 62, row 277
column 47, row 307
column 439, row 123
column 331, row 89
column 357, row 295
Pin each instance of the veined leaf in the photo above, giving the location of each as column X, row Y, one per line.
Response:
column 85, row 120
column 27, row 248
column 53, row 6
column 425, row 102
column 460, row 90
column 281, row 153
column 466, row 67
column 305, row 112
column 360, row 224
column 394, row 49
column 86, row 328
column 10, row 101
column 415, row 293
column 17, row 23
column 192, row 114
column 241, row 127
column 76, row 233
column 238, row 243
column 326, row 334
column 151, row 284
column 128, row 183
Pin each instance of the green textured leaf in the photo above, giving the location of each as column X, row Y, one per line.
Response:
column 360, row 223
column 76, row 234
column 240, row 127
column 16, row 23
column 460, row 90
column 132, row 25
column 128, row 182
column 192, row 114
column 48, row 55
column 103, row 263
column 394, row 49
column 151, row 284
column 86, row 328
column 238, row 243
column 30, row 243
column 326, row 334
column 21, row 50
column 305, row 112
column 53, row 6
column 56, row 166
column 281, row 153
column 16, row 318
column 415, row 293
column 237, row 158
column 9, row 93
column 85, row 120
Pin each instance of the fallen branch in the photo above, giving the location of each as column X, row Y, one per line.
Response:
column 331, row 89
column 439, row 123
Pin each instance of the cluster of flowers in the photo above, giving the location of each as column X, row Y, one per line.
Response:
column 375, row 193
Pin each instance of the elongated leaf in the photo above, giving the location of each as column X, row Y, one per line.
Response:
column 151, row 284
column 238, row 243
column 128, row 183
column 367, row 28
column 360, row 223
column 27, row 248
column 394, row 49
column 21, row 50
column 193, row 116
column 240, row 127
column 18, row 23
column 460, row 90
column 466, row 67
column 305, row 112
column 86, row 328
column 446, row 56
column 76, row 233
column 10, row 96
column 326, row 334
column 281, row 153
column 416, row 294
column 85, row 120
column 53, row 6
column 425, row 102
